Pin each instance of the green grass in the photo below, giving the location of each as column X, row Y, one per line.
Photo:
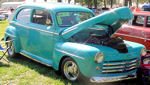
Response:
column 3, row 25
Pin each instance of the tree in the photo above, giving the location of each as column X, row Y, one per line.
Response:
column 59, row 0
column 126, row 2
column 130, row 3
column 137, row 3
column 111, row 3
column 104, row 3
column 95, row 4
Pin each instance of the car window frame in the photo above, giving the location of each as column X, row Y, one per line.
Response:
column 136, row 19
column 48, row 11
column 20, row 11
column 69, row 11
column 146, row 21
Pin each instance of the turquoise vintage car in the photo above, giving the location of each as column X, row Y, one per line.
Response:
column 73, row 40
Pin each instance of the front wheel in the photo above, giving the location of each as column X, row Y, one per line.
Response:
column 70, row 69
column 11, row 48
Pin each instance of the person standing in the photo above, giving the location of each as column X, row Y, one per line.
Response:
column 10, row 15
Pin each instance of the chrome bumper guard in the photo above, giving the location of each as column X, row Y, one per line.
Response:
column 112, row 79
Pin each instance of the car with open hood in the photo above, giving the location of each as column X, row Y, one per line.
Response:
column 73, row 40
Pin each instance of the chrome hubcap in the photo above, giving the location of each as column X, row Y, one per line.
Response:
column 71, row 70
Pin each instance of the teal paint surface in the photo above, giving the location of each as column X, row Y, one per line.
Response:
column 48, row 44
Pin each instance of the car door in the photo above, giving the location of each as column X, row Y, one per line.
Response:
column 40, row 40
column 137, row 27
column 21, row 23
column 146, row 31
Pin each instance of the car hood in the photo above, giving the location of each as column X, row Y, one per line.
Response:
column 114, row 18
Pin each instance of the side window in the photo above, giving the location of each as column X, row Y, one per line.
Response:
column 138, row 21
column 148, row 22
column 41, row 17
column 24, row 15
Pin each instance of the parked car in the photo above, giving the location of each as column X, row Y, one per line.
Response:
column 146, row 7
column 138, row 30
column 75, row 41
column 4, row 14
column 2, row 17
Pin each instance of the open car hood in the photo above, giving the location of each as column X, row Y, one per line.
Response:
column 114, row 18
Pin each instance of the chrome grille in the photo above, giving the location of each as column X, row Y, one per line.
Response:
column 122, row 66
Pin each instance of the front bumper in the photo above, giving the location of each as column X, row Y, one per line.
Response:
column 112, row 79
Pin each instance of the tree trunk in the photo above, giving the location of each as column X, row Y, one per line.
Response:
column 111, row 3
column 69, row 1
column 89, row 4
column 95, row 4
column 81, row 2
column 125, row 2
column 137, row 3
column 59, row 0
column 130, row 3
column 105, row 3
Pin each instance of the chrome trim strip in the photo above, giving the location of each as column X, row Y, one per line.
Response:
column 132, row 36
column 69, row 54
column 10, row 34
column 69, row 30
column 109, row 68
column 112, row 79
column 96, row 29
column 36, row 29
column 119, row 67
column 107, row 64
column 116, row 70
column 112, row 71
column 35, row 59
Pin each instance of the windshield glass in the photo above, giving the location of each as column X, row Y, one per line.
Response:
column 66, row 19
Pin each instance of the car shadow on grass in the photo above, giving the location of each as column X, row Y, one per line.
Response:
column 41, row 69
column 50, row 72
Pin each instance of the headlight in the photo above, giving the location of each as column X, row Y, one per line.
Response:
column 99, row 57
column 143, row 52
column 146, row 61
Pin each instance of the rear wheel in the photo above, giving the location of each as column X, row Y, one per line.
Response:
column 70, row 70
column 11, row 48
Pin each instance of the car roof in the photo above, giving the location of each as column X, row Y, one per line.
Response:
column 57, row 6
column 144, row 13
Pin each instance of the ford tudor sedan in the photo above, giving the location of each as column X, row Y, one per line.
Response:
column 138, row 30
column 73, row 40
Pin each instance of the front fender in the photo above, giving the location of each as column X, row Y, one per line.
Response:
column 81, row 53
column 11, row 32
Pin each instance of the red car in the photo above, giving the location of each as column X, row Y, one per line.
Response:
column 138, row 30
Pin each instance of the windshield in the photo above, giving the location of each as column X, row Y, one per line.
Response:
column 67, row 19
